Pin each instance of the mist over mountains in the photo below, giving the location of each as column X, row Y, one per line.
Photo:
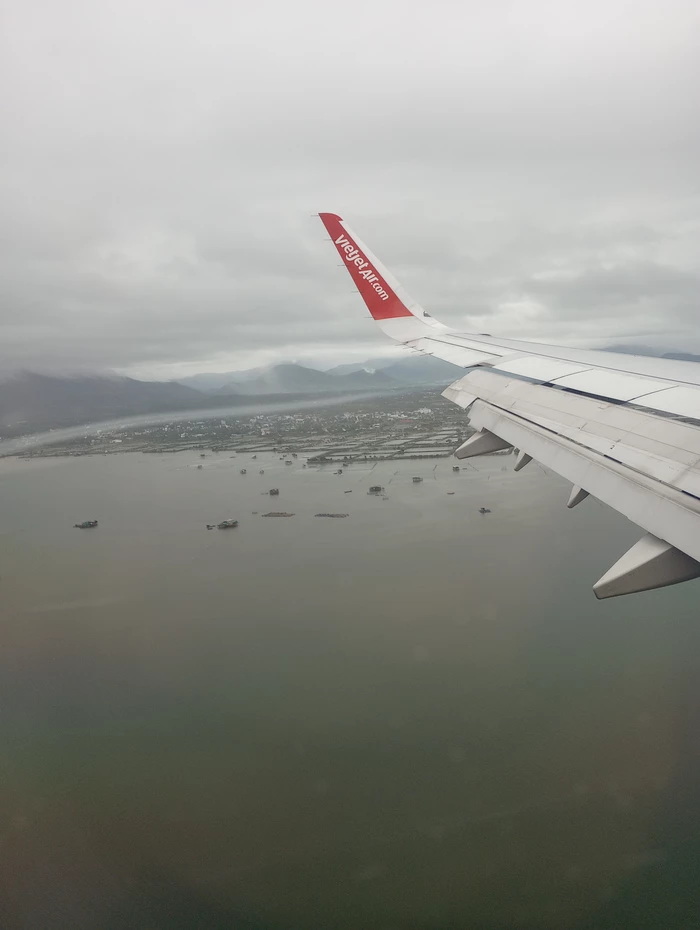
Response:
column 372, row 374
column 31, row 402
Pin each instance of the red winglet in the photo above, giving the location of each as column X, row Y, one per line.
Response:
column 367, row 273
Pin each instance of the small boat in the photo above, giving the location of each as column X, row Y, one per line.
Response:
column 202, row 455
column 417, row 480
column 455, row 468
column 450, row 493
column 294, row 455
column 262, row 471
column 274, row 491
column 211, row 526
column 376, row 489
column 287, row 462
column 332, row 514
column 243, row 471
column 227, row 524
column 484, row 510
column 347, row 492
column 200, row 466
column 85, row 525
column 255, row 456
column 277, row 513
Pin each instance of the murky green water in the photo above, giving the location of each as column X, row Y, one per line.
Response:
column 415, row 717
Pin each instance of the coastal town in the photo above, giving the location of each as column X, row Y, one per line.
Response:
column 416, row 425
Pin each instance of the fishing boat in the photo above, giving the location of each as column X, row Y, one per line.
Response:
column 227, row 524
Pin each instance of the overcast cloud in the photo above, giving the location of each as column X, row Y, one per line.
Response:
column 525, row 168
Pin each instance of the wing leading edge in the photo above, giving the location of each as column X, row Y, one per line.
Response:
column 625, row 429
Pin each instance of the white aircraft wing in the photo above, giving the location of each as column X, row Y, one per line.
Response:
column 623, row 428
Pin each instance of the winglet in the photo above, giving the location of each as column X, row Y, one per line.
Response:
column 373, row 281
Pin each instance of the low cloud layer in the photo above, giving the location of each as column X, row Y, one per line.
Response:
column 525, row 169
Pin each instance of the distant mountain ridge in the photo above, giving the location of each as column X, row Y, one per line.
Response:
column 296, row 379
column 375, row 373
column 32, row 402
column 370, row 364
column 653, row 353
column 423, row 369
column 38, row 401
column 682, row 356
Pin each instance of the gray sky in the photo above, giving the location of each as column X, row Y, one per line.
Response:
column 525, row 168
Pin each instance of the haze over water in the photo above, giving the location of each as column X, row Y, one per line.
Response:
column 414, row 717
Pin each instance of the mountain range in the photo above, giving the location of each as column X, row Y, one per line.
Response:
column 372, row 374
column 295, row 379
column 31, row 402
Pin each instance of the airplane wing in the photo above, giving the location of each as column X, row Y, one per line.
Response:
column 623, row 428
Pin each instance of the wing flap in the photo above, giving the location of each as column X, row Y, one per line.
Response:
column 621, row 433
column 680, row 401
column 539, row 369
column 458, row 355
column 661, row 510
column 614, row 385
